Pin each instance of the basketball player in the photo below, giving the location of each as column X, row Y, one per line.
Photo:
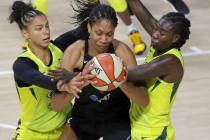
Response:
column 37, row 120
column 97, row 114
column 163, row 71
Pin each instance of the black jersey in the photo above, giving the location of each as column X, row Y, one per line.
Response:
column 95, row 108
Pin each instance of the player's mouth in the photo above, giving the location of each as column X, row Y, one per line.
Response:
column 47, row 39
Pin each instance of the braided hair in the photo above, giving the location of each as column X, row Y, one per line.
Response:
column 180, row 25
column 23, row 14
column 91, row 11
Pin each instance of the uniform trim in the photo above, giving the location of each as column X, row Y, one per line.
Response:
column 18, row 92
column 157, row 83
column 33, row 93
column 175, row 87
column 163, row 134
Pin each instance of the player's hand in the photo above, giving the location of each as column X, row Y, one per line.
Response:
column 125, row 68
column 87, row 73
column 74, row 86
column 62, row 74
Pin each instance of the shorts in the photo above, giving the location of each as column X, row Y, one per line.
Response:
column 118, row 5
column 112, row 130
column 41, row 5
column 162, row 133
column 27, row 134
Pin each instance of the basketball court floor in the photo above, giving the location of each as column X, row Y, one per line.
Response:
column 191, row 111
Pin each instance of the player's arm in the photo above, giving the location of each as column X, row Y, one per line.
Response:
column 60, row 100
column 168, row 67
column 69, row 62
column 26, row 73
column 137, row 94
column 143, row 15
column 72, row 56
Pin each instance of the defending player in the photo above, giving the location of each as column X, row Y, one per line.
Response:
column 163, row 71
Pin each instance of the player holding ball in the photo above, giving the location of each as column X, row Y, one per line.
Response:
column 96, row 115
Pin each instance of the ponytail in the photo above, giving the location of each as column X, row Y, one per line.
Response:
column 23, row 14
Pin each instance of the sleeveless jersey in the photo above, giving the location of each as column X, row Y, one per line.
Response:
column 98, row 106
column 162, row 95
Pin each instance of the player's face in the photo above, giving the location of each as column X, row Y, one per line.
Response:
column 38, row 32
column 163, row 36
column 101, row 35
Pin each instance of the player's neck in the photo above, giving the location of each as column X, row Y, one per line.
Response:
column 42, row 53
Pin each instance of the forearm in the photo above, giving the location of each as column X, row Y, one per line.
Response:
column 143, row 15
column 136, row 94
column 139, row 73
column 38, row 79
column 156, row 68
column 60, row 101
column 26, row 73
column 66, row 39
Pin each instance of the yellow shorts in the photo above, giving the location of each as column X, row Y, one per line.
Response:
column 41, row 5
column 27, row 134
column 118, row 5
column 162, row 133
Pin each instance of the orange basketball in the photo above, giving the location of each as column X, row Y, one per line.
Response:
column 109, row 70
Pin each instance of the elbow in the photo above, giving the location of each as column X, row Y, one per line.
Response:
column 145, row 103
column 57, row 108
column 130, row 1
column 57, row 105
column 60, row 101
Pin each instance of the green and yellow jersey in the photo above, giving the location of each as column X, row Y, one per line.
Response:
column 153, row 120
column 36, row 113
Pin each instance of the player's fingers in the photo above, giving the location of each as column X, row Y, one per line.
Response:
column 92, row 82
column 74, row 93
column 89, row 76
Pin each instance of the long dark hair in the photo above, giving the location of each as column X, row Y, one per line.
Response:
column 181, row 25
column 23, row 14
column 89, row 12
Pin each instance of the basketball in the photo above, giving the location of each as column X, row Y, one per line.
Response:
column 109, row 70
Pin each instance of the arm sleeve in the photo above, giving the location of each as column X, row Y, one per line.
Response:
column 64, row 40
column 26, row 73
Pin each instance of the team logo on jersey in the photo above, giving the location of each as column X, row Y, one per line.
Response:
column 100, row 100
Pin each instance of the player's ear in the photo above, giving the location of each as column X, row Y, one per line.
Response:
column 25, row 34
column 89, row 28
column 176, row 38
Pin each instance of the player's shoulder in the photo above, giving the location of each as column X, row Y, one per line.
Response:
column 120, row 46
column 77, row 45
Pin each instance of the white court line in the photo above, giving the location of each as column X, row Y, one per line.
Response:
column 195, row 52
column 5, row 72
column 7, row 126
column 195, row 49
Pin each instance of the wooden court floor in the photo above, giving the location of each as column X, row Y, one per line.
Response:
column 191, row 111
